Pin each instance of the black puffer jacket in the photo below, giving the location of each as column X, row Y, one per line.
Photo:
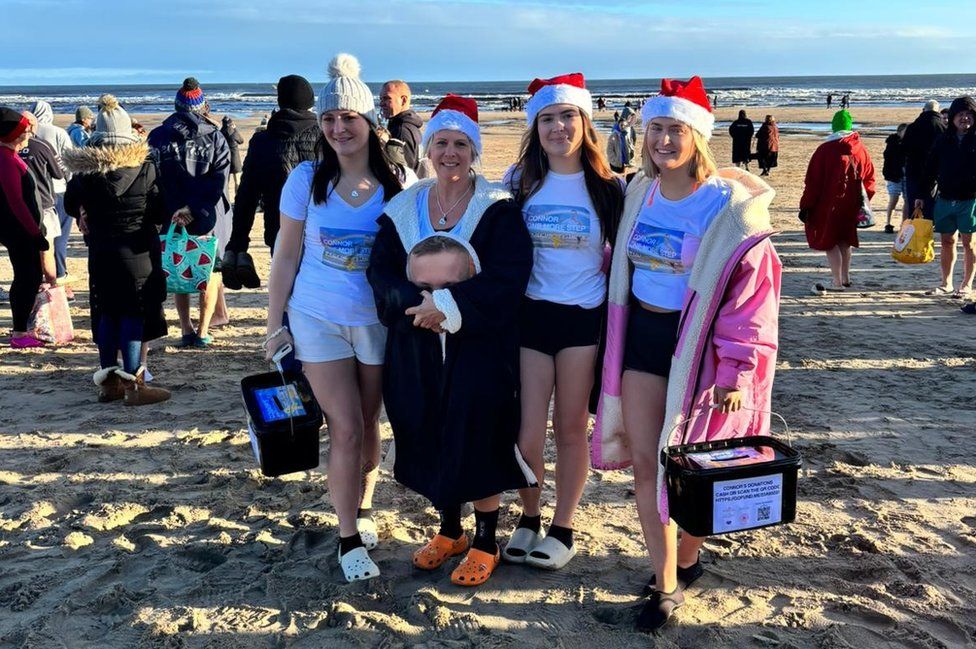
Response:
column 918, row 140
column 894, row 159
column 952, row 161
column 117, row 187
column 271, row 155
column 406, row 128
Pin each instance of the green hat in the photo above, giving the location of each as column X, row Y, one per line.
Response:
column 842, row 121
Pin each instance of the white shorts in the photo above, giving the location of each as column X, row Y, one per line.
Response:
column 320, row 341
column 894, row 189
column 52, row 225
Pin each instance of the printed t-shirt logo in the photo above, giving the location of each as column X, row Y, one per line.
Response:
column 558, row 226
column 657, row 249
column 346, row 249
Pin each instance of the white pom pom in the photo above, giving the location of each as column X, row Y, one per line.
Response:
column 344, row 65
column 107, row 103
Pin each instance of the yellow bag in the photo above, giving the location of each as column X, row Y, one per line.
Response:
column 914, row 244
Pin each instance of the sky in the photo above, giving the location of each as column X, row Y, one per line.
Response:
column 114, row 41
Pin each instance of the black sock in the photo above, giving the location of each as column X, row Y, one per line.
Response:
column 364, row 512
column 347, row 543
column 484, row 536
column 562, row 534
column 533, row 523
column 451, row 522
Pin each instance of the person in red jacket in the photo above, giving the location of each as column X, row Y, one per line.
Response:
column 833, row 196
column 20, row 224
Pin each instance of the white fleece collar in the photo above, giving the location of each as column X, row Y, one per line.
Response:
column 402, row 209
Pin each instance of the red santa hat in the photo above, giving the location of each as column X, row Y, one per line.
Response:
column 455, row 113
column 684, row 101
column 564, row 89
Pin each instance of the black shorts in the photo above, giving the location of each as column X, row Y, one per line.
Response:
column 651, row 339
column 549, row 328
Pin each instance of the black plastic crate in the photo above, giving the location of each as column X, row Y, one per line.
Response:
column 731, row 485
column 283, row 420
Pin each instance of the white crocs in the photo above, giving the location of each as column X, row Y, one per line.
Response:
column 357, row 566
column 523, row 541
column 368, row 532
column 554, row 555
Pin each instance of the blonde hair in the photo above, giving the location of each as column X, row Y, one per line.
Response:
column 702, row 164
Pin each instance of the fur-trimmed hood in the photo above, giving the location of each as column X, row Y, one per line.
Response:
column 103, row 159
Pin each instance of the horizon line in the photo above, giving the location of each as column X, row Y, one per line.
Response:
column 595, row 79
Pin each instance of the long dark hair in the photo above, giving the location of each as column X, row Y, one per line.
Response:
column 602, row 184
column 327, row 169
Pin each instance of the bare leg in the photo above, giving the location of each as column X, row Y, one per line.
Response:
column 574, row 378
column 336, row 388
column 892, row 203
column 846, row 253
column 947, row 259
column 643, row 397
column 969, row 259
column 221, row 315
column 208, row 302
column 183, row 311
column 836, row 261
column 688, row 548
column 538, row 375
column 488, row 504
column 371, row 389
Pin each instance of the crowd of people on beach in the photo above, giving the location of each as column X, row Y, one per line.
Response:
column 402, row 277
column 930, row 164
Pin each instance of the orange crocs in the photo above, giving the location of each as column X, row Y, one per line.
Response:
column 476, row 568
column 438, row 550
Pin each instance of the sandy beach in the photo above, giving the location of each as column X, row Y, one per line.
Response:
column 153, row 527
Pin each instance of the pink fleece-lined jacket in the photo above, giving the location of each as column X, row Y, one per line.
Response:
column 728, row 334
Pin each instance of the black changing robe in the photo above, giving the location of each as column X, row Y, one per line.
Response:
column 117, row 187
column 456, row 417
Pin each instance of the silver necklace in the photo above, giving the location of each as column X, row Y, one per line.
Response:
column 443, row 220
column 355, row 191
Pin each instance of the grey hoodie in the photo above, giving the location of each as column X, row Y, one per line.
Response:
column 56, row 136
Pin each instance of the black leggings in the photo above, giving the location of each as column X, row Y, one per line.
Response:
column 26, row 260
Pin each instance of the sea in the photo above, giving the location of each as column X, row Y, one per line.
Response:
column 245, row 99
column 249, row 98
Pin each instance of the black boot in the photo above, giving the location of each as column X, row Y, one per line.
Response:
column 228, row 270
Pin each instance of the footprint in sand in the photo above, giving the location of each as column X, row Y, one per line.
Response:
column 623, row 616
column 201, row 558
column 344, row 616
column 116, row 601
column 20, row 596
column 304, row 541
column 449, row 625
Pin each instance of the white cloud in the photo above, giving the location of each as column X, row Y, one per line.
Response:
column 98, row 74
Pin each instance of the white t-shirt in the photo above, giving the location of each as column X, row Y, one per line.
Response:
column 567, row 243
column 331, row 281
column 665, row 241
